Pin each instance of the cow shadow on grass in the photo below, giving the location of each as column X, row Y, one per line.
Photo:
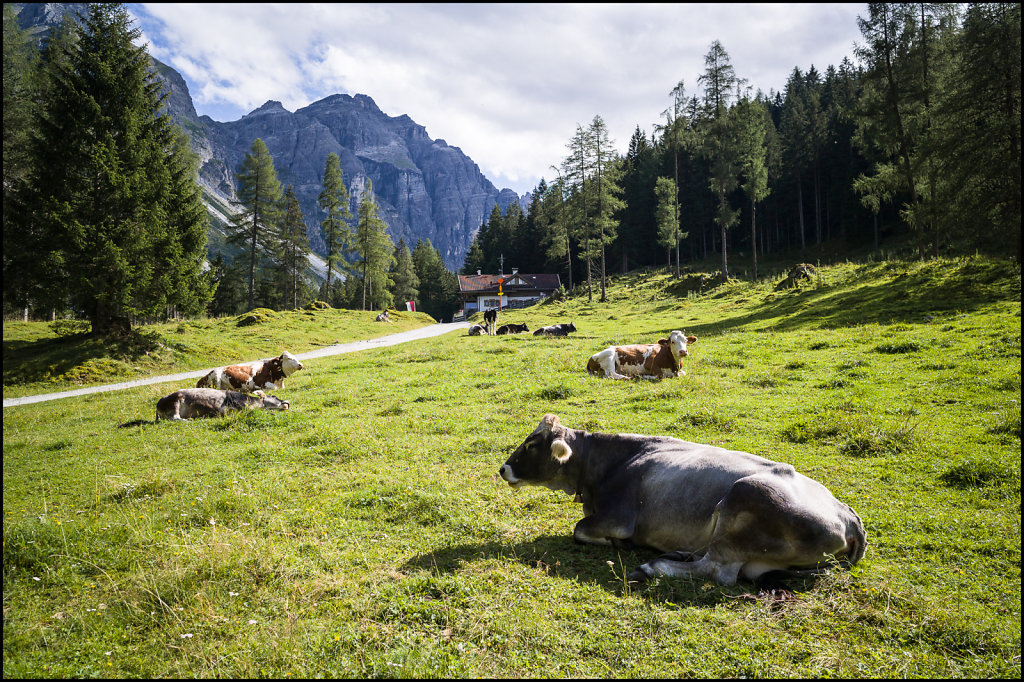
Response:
column 558, row 556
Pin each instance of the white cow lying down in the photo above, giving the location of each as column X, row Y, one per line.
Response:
column 211, row 402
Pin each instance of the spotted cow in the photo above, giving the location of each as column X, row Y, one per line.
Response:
column 650, row 360
column 511, row 329
column 556, row 330
column 247, row 377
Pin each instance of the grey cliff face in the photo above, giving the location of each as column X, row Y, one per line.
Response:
column 426, row 189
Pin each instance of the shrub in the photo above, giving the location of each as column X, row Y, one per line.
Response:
column 255, row 316
column 63, row 328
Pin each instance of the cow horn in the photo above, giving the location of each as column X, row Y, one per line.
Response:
column 561, row 451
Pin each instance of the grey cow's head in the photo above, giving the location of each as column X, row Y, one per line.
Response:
column 271, row 402
column 541, row 458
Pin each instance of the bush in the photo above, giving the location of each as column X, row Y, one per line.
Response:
column 64, row 328
column 255, row 316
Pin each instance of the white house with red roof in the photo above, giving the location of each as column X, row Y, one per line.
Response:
column 482, row 292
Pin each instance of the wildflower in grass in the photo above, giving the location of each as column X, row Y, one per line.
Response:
column 187, row 635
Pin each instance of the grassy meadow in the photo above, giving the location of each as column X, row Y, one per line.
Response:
column 365, row 532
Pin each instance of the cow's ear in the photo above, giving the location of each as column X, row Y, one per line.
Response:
column 691, row 339
column 560, row 450
column 662, row 342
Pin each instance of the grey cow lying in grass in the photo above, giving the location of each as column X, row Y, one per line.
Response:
column 211, row 402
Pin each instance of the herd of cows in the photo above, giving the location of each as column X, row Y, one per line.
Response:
column 716, row 513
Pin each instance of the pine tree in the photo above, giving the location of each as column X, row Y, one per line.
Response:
column 751, row 122
column 439, row 287
column 293, row 255
column 667, row 215
column 376, row 252
column 334, row 200
column 606, row 191
column 111, row 194
column 719, row 141
column 403, row 275
column 254, row 227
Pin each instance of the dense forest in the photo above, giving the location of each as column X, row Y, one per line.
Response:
column 919, row 137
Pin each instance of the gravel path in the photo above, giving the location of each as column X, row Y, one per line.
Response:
column 337, row 349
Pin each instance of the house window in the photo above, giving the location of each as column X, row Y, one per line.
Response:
column 492, row 303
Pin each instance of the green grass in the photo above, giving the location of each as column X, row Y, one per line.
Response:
column 365, row 532
column 46, row 358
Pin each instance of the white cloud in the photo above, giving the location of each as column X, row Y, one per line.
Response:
column 505, row 83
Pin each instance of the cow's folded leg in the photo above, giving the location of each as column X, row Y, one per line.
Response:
column 682, row 564
column 594, row 530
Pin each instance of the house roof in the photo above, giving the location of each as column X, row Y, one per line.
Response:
column 509, row 283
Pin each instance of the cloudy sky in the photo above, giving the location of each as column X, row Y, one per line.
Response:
column 505, row 83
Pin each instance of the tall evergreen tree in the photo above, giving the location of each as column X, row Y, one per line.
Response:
column 334, row 200
column 439, row 287
column 376, row 252
column 606, row 191
column 719, row 144
column 293, row 247
column 667, row 215
column 406, row 283
column 751, row 123
column 254, row 226
column 112, row 195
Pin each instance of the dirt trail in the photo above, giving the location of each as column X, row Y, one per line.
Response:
column 337, row 349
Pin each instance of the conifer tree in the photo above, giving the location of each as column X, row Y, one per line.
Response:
column 406, row 283
column 751, row 122
column 254, row 227
column 439, row 287
column 667, row 215
column 334, row 200
column 376, row 252
column 293, row 254
column 719, row 142
column 112, row 194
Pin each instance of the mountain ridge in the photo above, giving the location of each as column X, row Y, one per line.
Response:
column 425, row 188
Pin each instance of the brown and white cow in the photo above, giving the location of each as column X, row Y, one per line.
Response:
column 718, row 513
column 189, row 403
column 648, row 360
column 247, row 377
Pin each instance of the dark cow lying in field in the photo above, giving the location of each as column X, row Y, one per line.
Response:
column 490, row 319
column 556, row 330
column 720, row 514
column 189, row 403
column 261, row 374
column 384, row 317
column 512, row 329
column 476, row 330
column 649, row 360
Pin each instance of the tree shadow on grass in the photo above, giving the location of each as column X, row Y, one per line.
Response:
column 560, row 557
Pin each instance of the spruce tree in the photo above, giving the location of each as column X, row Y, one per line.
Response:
column 376, row 252
column 112, row 196
column 293, row 246
column 334, row 200
column 406, row 283
column 254, row 227
column 667, row 215
column 439, row 287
